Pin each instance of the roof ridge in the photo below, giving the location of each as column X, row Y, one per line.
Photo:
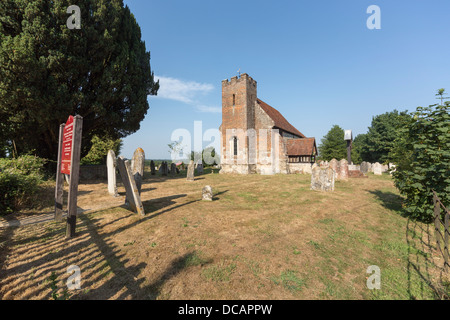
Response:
column 278, row 119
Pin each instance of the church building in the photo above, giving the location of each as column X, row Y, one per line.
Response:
column 256, row 138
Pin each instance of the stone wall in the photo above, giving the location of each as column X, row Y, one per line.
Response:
column 93, row 172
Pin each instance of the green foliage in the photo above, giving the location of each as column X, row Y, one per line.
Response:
column 357, row 145
column 54, row 287
column 48, row 72
column 19, row 181
column 422, row 157
column 376, row 145
column 333, row 145
column 99, row 150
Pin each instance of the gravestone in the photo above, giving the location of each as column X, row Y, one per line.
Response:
column 334, row 164
column 343, row 169
column 133, row 198
column 152, row 168
column 322, row 179
column 165, row 168
column 137, row 167
column 354, row 167
column 365, row 167
column 173, row 169
column 207, row 193
column 111, row 167
column 200, row 168
column 377, row 169
column 190, row 171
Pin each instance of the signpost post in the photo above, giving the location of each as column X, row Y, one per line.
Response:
column 69, row 163
column 59, row 190
column 73, row 168
column 348, row 137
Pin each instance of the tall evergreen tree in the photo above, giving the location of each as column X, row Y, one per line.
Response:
column 333, row 145
column 377, row 144
column 48, row 72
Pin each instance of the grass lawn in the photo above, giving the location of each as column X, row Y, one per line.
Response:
column 263, row 237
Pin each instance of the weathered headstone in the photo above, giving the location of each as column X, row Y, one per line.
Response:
column 322, row 179
column 133, row 198
column 173, row 169
column 190, row 171
column 207, row 193
column 377, row 169
column 200, row 168
column 152, row 168
column 111, row 167
column 137, row 167
column 343, row 169
column 334, row 164
column 365, row 166
column 165, row 168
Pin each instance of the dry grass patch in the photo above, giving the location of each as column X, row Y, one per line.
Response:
column 263, row 237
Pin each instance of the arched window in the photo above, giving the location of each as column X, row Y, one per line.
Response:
column 234, row 99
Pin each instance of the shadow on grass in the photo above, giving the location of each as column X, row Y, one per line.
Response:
column 420, row 262
column 390, row 201
column 420, row 247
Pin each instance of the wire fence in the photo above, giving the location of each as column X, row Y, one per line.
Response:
column 438, row 223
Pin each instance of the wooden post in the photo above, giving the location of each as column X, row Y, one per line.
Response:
column 59, row 189
column 446, row 236
column 74, row 177
column 437, row 223
column 349, row 151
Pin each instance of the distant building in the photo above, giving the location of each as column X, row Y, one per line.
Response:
column 256, row 138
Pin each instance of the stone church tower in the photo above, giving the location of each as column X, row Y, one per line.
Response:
column 256, row 138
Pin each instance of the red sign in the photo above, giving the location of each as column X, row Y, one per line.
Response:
column 66, row 155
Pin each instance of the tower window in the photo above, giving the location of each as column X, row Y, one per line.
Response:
column 235, row 146
column 234, row 99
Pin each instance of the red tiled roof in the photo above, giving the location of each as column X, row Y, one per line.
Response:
column 280, row 121
column 301, row 147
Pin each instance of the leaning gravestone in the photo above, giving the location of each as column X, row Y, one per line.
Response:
column 111, row 166
column 137, row 167
column 322, row 179
column 207, row 193
column 377, row 169
column 152, row 168
column 173, row 169
column 190, row 171
column 133, row 199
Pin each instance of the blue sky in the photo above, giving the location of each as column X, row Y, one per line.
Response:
column 314, row 61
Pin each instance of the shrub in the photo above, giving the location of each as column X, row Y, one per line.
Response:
column 19, row 180
column 422, row 156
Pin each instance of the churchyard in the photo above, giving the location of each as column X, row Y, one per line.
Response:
column 262, row 237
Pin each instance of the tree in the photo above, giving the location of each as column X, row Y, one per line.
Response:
column 48, row 72
column 100, row 148
column 440, row 93
column 357, row 144
column 379, row 140
column 333, row 145
column 422, row 158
